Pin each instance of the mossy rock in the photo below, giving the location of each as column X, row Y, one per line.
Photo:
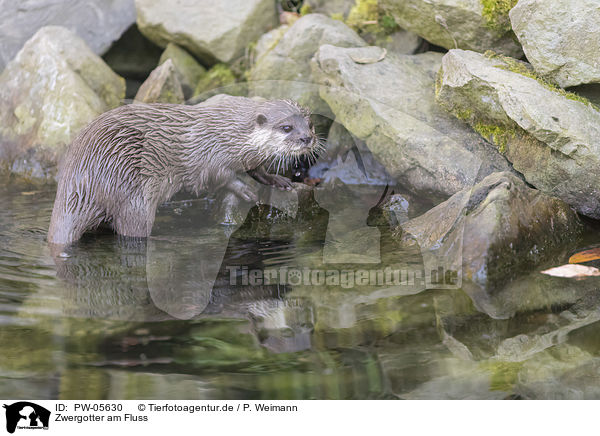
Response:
column 474, row 25
column 546, row 132
column 217, row 77
column 53, row 88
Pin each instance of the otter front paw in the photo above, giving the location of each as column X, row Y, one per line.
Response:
column 276, row 180
column 281, row 182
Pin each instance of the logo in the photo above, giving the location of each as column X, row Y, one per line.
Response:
column 26, row 415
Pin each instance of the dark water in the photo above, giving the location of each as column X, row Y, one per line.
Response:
column 173, row 318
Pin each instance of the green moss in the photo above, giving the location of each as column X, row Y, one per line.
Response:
column 503, row 374
column 495, row 13
column 499, row 135
column 339, row 17
column 464, row 114
column 524, row 69
column 218, row 76
column 305, row 10
column 438, row 83
column 367, row 17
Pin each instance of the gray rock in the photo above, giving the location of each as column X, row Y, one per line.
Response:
column 212, row 31
column 492, row 234
column 551, row 137
column 284, row 71
column 456, row 23
column 269, row 40
column 97, row 22
column 390, row 105
column 52, row 89
column 187, row 69
column 162, row 86
column 339, row 8
column 349, row 160
column 560, row 38
column 401, row 42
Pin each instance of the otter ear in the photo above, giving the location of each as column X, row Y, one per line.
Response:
column 261, row 119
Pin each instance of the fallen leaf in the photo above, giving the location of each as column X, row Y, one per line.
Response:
column 573, row 271
column 585, row 256
column 369, row 59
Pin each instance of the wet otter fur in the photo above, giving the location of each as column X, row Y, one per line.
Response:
column 133, row 158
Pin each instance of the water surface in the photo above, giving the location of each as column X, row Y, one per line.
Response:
column 116, row 318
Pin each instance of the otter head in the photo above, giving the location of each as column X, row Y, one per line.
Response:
column 283, row 129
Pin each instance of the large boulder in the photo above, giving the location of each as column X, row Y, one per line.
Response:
column 552, row 137
column 97, row 22
column 388, row 101
column 493, row 234
column 53, row 88
column 284, row 71
column 560, row 38
column 212, row 31
column 473, row 24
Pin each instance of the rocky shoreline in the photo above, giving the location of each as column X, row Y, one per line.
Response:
column 463, row 106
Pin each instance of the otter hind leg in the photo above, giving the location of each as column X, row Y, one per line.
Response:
column 134, row 219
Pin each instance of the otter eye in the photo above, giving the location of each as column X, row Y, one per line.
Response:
column 287, row 129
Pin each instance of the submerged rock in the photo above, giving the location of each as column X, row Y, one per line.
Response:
column 212, row 31
column 52, row 89
column 284, row 71
column 552, row 137
column 188, row 71
column 473, row 25
column 162, row 86
column 388, row 101
column 97, row 22
column 494, row 233
column 560, row 38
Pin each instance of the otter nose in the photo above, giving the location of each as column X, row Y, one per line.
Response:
column 306, row 140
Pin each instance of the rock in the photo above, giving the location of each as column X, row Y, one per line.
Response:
column 492, row 234
column 269, row 40
column 559, row 40
column 188, row 71
column 474, row 25
column 284, row 71
column 349, row 160
column 419, row 144
column 401, row 42
column 333, row 8
column 552, row 137
column 53, row 88
column 97, row 22
column 162, row 86
column 212, row 31
column 219, row 79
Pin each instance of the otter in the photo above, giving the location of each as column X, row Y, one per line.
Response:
column 129, row 160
